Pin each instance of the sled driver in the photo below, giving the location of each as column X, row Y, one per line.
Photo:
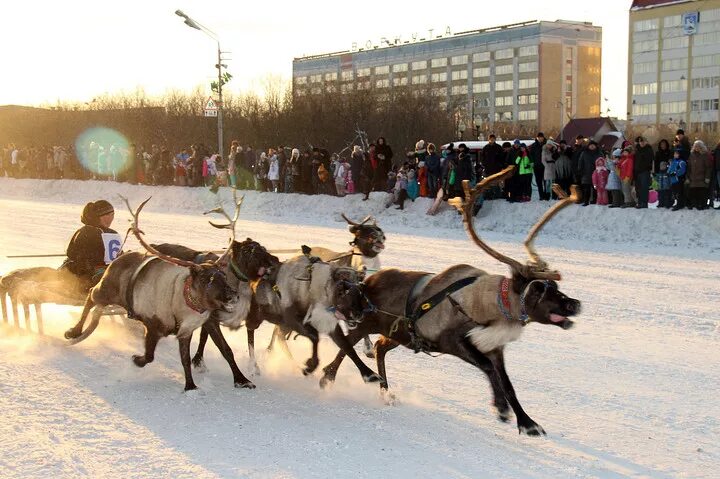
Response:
column 93, row 246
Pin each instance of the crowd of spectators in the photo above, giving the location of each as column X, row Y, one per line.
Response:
column 675, row 174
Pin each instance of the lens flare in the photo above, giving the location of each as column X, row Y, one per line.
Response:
column 103, row 151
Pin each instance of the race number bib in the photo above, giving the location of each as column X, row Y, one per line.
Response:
column 112, row 243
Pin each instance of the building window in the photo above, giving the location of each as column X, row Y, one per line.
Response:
column 525, row 115
column 704, row 105
column 644, row 110
column 481, row 87
column 676, row 42
column 347, row 75
column 331, row 76
column 503, row 116
column 382, row 83
column 400, row 67
column 673, row 107
column 646, row 25
column 528, row 83
column 421, row 65
column 481, row 72
column 459, row 75
column 300, row 80
column 673, row 86
column 400, row 81
column 709, row 38
column 346, row 87
column 645, row 67
column 644, row 88
column 316, row 78
column 316, row 90
column 710, row 15
column 459, row 60
column 675, row 64
column 706, row 82
column 504, row 101
column 419, row 79
column 705, row 61
column 439, row 91
column 530, row 51
column 438, row 77
column 503, row 54
column 383, row 70
column 331, row 87
column 707, row 126
column 438, row 62
column 363, row 72
column 529, row 67
column 568, row 85
column 503, row 69
column 644, row 46
column 459, row 90
column 527, row 99
column 503, row 85
column 672, row 21
column 363, row 85
column 481, row 57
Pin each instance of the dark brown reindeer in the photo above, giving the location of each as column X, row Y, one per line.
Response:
column 467, row 312
column 169, row 296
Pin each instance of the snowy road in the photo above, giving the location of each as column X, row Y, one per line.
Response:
column 630, row 392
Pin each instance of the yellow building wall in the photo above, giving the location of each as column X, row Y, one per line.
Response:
column 550, row 87
column 588, row 82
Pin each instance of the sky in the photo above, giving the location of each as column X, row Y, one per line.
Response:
column 75, row 50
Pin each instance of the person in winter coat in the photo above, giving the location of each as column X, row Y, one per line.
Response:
column 683, row 144
column 614, row 185
column 412, row 185
column 93, row 246
column 356, row 162
column 663, row 153
column 586, row 167
column 535, row 153
column 273, row 175
column 662, row 178
column 626, row 172
column 260, row 171
column 210, row 169
column 464, row 169
column 677, row 171
column 549, row 157
column 524, row 173
column 422, row 179
column 699, row 169
column 418, row 155
column 642, row 167
column 600, row 179
column 340, row 173
column 493, row 161
column 434, row 170
column 292, row 172
column 575, row 153
column 383, row 156
column 367, row 173
column 563, row 167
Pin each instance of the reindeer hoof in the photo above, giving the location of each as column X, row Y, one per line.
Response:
column 245, row 385
column 370, row 353
column 310, row 366
column 326, row 381
column 199, row 365
column 190, row 387
column 504, row 415
column 533, row 429
column 139, row 360
column 373, row 378
column 72, row 333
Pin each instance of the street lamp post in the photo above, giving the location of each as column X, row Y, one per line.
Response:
column 197, row 26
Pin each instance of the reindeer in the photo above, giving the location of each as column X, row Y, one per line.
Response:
column 368, row 243
column 467, row 312
column 169, row 296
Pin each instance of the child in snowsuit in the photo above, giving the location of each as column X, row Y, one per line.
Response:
column 663, row 186
column 600, row 179
column 676, row 172
column 525, row 174
column 412, row 185
column 422, row 179
column 614, row 185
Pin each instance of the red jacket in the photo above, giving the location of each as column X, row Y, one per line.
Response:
column 626, row 167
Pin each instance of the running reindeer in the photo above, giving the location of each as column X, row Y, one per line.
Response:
column 467, row 312
column 367, row 244
column 169, row 296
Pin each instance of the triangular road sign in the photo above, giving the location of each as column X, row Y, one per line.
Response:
column 210, row 105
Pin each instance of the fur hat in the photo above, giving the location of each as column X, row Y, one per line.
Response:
column 617, row 153
column 420, row 145
column 94, row 210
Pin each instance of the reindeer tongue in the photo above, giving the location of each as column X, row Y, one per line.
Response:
column 556, row 318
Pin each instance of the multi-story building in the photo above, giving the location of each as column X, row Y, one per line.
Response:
column 674, row 63
column 536, row 73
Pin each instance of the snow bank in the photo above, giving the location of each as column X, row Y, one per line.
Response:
column 582, row 226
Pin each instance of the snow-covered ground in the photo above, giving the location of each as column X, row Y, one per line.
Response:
column 631, row 391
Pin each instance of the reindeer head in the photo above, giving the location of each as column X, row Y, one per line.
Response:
column 252, row 259
column 369, row 237
column 209, row 289
column 349, row 297
column 533, row 282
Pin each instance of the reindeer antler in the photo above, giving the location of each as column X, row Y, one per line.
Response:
column 135, row 228
column 565, row 201
column 536, row 268
column 352, row 223
column 231, row 222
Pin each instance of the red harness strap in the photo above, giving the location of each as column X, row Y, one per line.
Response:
column 192, row 303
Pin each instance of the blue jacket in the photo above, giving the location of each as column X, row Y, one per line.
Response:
column 614, row 182
column 677, row 170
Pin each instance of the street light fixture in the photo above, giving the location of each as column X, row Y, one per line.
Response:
column 197, row 26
